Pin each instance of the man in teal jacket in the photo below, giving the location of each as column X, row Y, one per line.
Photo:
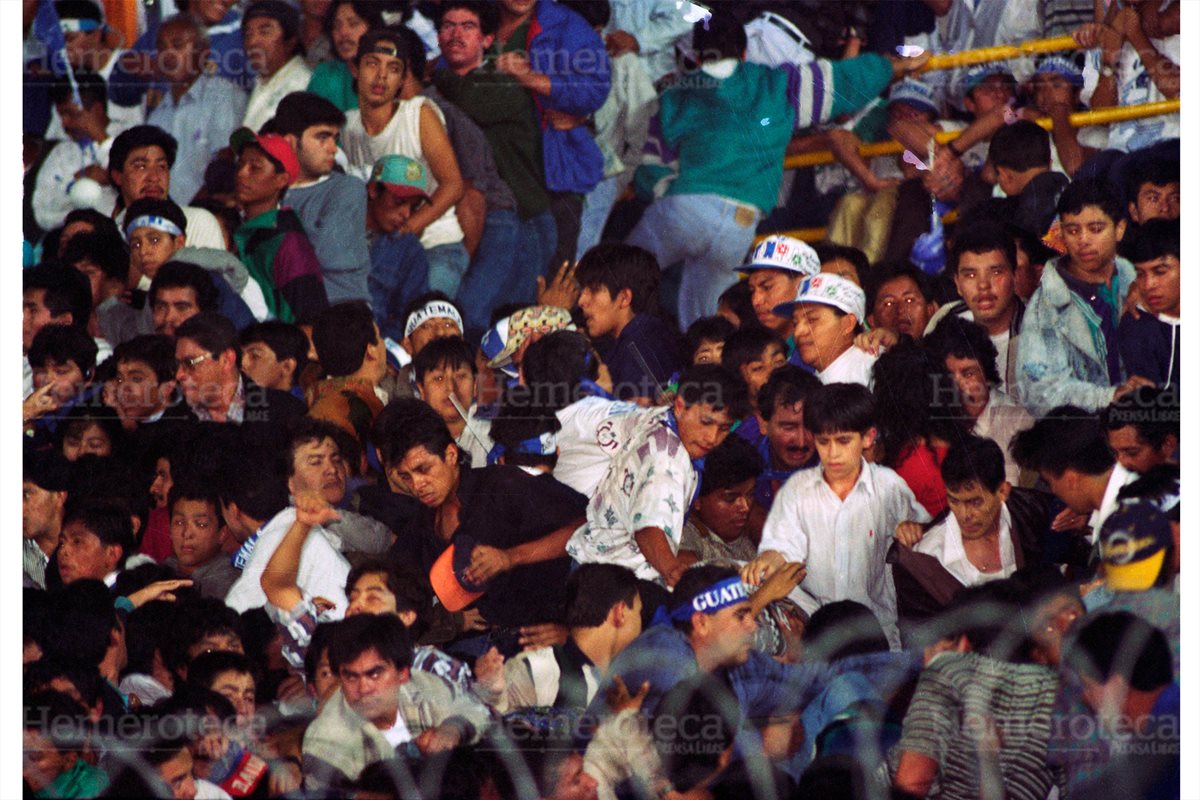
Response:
column 728, row 124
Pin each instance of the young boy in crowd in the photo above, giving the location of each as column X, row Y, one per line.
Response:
column 197, row 539
column 620, row 292
column 840, row 519
column 445, row 371
column 705, row 340
column 397, row 188
column 97, row 537
column 354, row 357
column 274, row 354
column 636, row 515
column 754, row 354
column 1153, row 191
column 720, row 528
column 1149, row 341
column 54, row 741
column 1069, row 348
column 271, row 241
column 827, row 312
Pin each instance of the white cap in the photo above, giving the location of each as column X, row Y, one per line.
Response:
column 831, row 290
column 785, row 253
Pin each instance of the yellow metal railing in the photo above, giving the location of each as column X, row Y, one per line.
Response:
column 1003, row 52
column 1097, row 116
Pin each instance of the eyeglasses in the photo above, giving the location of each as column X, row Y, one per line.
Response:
column 190, row 364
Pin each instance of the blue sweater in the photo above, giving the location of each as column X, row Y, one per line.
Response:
column 1149, row 347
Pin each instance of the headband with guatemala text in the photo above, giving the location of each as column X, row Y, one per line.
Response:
column 79, row 25
column 721, row 595
column 544, row 445
column 431, row 310
column 158, row 223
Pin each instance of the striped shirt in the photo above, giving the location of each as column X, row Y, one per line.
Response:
column 958, row 698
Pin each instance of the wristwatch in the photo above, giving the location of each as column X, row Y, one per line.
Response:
column 1107, row 72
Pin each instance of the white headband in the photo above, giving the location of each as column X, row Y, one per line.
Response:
column 431, row 310
column 158, row 223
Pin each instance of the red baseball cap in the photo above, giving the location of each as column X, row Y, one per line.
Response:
column 275, row 146
column 446, row 576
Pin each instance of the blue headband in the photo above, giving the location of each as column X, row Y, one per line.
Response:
column 721, row 595
column 150, row 221
column 544, row 445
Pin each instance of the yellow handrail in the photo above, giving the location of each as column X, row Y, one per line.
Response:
column 818, row 234
column 1003, row 52
column 1097, row 116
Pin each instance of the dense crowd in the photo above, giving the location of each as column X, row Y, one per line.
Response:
column 428, row 399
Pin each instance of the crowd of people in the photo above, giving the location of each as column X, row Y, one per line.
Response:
column 426, row 399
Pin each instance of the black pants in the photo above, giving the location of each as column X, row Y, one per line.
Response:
column 567, row 210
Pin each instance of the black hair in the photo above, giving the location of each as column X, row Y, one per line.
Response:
column 841, row 629
column 1084, row 192
column 92, row 89
column 911, row 400
column 737, row 298
column 787, row 386
column 99, row 222
column 73, row 426
column 1121, row 643
column 1154, row 171
column 719, row 36
column 553, row 367
column 414, row 52
column 154, row 350
column 322, row 637
column 1149, row 241
column 982, row 238
column 205, row 668
column 299, row 111
column 389, row 430
column 104, row 249
column 426, row 430
column 136, row 138
column 733, row 461
column 828, row 251
column 84, row 677
column 616, row 267
column 1066, row 438
column 973, row 460
column 341, row 335
column 839, row 408
column 284, row 13
column 106, row 479
column 1022, row 146
column 518, row 419
column 192, row 489
column 400, row 579
column 383, row 633
column 59, row 718
column 80, row 622
column 444, row 352
column 489, row 15
column 711, row 384
column 259, row 491
column 593, row 589
column 961, row 338
column 367, row 10
column 283, row 339
column 695, row 580
column 157, row 207
column 182, row 275
column 889, row 271
column 985, row 614
column 706, row 329
column 195, row 619
column 63, row 344
column 312, row 430
column 1159, row 486
column 596, row 13
column 1152, row 411
column 377, row 35
column 208, row 329
column 67, row 291
column 746, row 345
column 107, row 521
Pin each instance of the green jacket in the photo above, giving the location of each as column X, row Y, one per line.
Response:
column 279, row 256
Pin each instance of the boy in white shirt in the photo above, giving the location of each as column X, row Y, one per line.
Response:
column 840, row 518
column 827, row 313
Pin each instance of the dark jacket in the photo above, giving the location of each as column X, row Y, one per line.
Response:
column 269, row 416
column 924, row 587
column 1149, row 347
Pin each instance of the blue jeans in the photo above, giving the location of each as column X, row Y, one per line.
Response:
column 399, row 274
column 597, row 205
column 447, row 263
column 535, row 247
column 709, row 234
column 493, row 271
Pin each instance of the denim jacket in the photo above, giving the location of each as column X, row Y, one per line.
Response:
column 1062, row 355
